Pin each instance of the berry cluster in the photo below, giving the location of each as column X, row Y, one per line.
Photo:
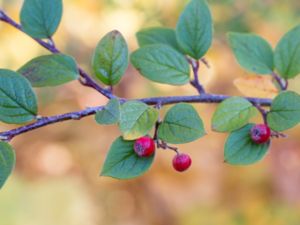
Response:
column 145, row 147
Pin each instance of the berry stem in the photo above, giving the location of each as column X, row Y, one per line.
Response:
column 263, row 112
column 164, row 145
column 158, row 122
column 277, row 134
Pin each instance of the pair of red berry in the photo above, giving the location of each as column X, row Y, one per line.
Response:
column 145, row 147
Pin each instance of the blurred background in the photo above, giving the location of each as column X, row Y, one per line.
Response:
column 56, row 180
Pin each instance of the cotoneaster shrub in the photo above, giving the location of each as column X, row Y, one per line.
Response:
column 165, row 55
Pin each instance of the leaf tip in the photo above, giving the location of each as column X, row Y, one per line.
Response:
column 115, row 33
column 102, row 173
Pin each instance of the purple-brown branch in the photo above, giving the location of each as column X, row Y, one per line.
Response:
column 283, row 84
column 44, row 121
column 85, row 79
column 196, row 83
column 263, row 113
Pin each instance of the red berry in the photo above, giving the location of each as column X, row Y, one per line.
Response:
column 144, row 146
column 182, row 162
column 260, row 133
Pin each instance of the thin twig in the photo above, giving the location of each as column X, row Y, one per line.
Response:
column 164, row 145
column 276, row 134
column 263, row 113
column 44, row 121
column 86, row 81
column 158, row 122
column 283, row 84
column 111, row 88
column 195, row 82
column 205, row 98
column 205, row 62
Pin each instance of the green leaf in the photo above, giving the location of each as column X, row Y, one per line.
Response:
column 40, row 18
column 232, row 114
column 241, row 150
column 136, row 119
column 7, row 162
column 162, row 64
column 287, row 54
column 285, row 111
column 252, row 52
column 50, row 70
column 181, row 124
column 18, row 102
column 157, row 35
column 123, row 163
column 194, row 29
column 110, row 59
column 110, row 114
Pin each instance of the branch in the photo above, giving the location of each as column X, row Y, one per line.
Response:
column 86, row 80
column 44, row 121
column 283, row 84
column 205, row 98
column 196, row 83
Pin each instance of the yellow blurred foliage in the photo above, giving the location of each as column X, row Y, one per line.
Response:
column 256, row 86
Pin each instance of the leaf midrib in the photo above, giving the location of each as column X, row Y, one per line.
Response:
column 18, row 103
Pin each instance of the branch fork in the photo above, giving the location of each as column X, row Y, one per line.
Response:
column 86, row 80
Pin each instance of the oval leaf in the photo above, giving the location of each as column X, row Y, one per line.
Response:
column 110, row 59
column 194, row 29
column 285, row 111
column 157, row 35
column 181, row 124
column 162, row 64
column 241, row 150
column 252, row 52
column 7, row 162
column 123, row 163
column 18, row 102
column 232, row 114
column 110, row 114
column 40, row 18
column 287, row 54
column 50, row 70
column 136, row 119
